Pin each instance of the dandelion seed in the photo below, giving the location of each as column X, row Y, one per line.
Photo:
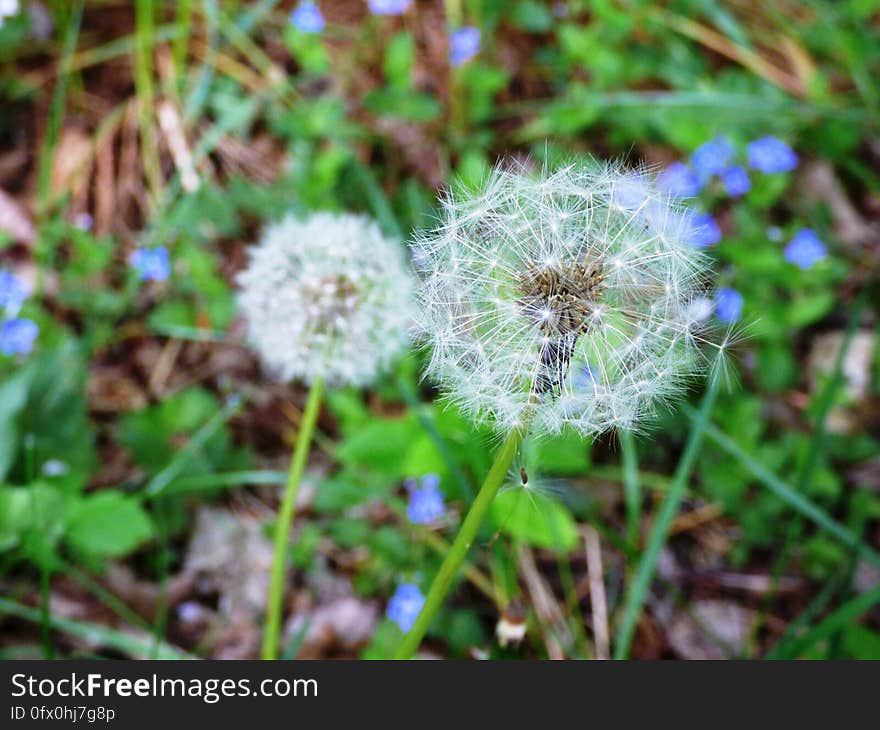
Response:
column 464, row 45
column 151, row 264
column 771, row 155
column 327, row 296
column 539, row 277
column 704, row 231
column 712, row 157
column 405, row 605
column 736, row 181
column 805, row 249
column 425, row 502
column 728, row 305
column 17, row 336
column 307, row 18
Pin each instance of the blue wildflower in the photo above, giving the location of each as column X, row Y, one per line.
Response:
column 704, row 230
column 585, row 378
column 805, row 249
column 388, row 7
column 425, row 502
column 770, row 155
column 405, row 605
column 151, row 264
column 736, row 181
column 13, row 292
column 728, row 305
column 306, row 17
column 464, row 44
column 712, row 157
column 17, row 336
column 679, row 180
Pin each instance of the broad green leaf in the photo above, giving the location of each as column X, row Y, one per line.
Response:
column 108, row 524
column 534, row 519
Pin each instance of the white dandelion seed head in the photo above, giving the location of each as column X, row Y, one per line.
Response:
column 327, row 296
column 565, row 298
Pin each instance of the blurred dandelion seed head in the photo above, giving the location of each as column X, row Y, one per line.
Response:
column 543, row 276
column 327, row 295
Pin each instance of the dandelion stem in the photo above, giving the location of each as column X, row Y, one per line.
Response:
column 285, row 519
column 459, row 549
column 632, row 489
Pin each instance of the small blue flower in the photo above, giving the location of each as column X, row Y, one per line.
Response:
column 771, row 155
column 425, row 502
column 151, row 264
column 736, row 181
column 679, row 180
column 13, row 292
column 704, row 231
column 388, row 7
column 728, row 305
column 306, row 17
column 712, row 157
column 805, row 249
column 17, row 336
column 464, row 44
column 405, row 604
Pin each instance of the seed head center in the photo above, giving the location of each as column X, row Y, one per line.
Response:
column 560, row 297
column 332, row 299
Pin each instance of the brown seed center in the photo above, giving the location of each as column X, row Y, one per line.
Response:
column 559, row 299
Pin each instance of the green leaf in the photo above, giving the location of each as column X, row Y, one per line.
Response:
column 416, row 107
column 380, row 445
column 108, row 524
column 565, row 454
column 535, row 519
column 399, row 60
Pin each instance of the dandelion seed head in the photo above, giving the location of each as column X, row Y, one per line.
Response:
column 328, row 295
column 586, row 269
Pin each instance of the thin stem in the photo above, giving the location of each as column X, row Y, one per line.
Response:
column 632, row 488
column 459, row 549
column 285, row 519
column 46, row 610
column 144, row 25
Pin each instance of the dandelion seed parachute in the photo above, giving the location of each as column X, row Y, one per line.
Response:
column 544, row 276
column 327, row 296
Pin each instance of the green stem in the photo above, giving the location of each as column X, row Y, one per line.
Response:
column 631, row 487
column 285, row 519
column 459, row 549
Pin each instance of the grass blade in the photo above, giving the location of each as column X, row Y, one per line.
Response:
column 638, row 590
column 789, row 495
column 110, row 638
